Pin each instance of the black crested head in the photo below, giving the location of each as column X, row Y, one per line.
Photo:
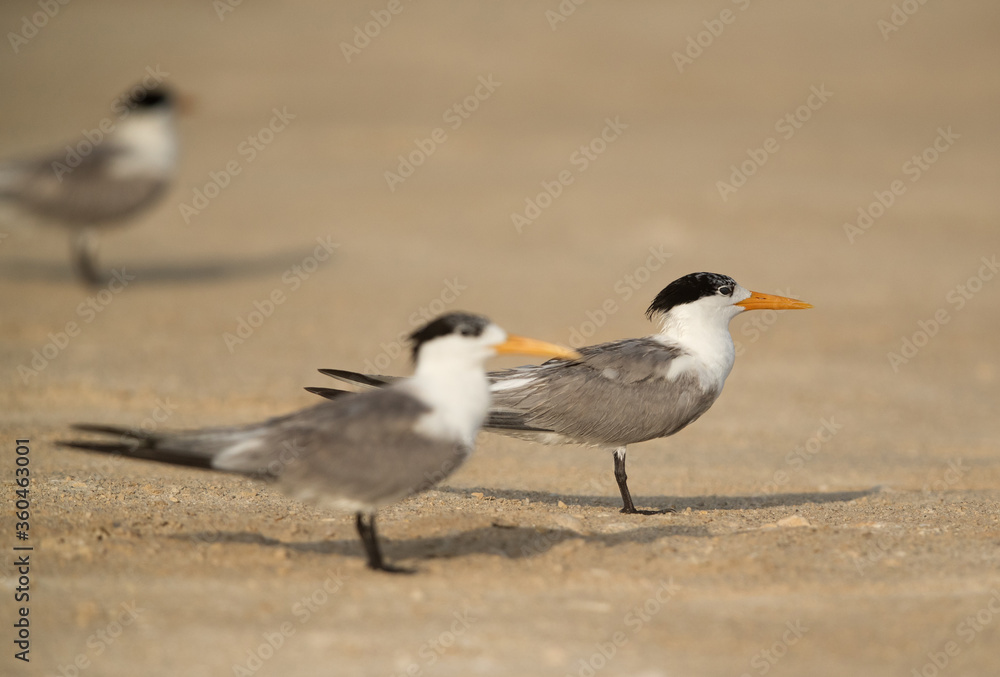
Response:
column 691, row 288
column 145, row 98
column 461, row 324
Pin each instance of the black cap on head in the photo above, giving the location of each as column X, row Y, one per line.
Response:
column 464, row 324
column 691, row 288
column 140, row 97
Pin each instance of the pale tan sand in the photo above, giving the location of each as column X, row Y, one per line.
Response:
column 865, row 557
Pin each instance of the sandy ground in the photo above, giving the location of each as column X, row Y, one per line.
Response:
column 836, row 512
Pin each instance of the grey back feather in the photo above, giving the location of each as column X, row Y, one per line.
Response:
column 362, row 448
column 616, row 394
column 84, row 195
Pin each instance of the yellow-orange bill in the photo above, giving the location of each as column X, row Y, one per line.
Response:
column 528, row 346
column 759, row 301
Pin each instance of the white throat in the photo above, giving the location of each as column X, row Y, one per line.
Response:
column 453, row 383
column 701, row 329
column 147, row 143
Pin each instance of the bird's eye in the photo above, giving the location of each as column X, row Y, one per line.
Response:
column 467, row 331
column 726, row 290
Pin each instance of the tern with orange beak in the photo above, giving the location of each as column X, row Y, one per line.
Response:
column 627, row 391
column 362, row 452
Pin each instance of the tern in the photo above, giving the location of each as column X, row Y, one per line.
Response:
column 361, row 452
column 105, row 178
column 626, row 391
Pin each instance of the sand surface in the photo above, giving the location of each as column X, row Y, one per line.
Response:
column 836, row 512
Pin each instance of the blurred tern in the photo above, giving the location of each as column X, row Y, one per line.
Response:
column 625, row 391
column 127, row 168
column 365, row 451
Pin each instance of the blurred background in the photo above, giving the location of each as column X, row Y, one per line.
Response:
column 553, row 166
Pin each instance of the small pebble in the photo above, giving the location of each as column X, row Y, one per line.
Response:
column 794, row 521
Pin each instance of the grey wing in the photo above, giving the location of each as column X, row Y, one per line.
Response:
column 361, row 450
column 85, row 194
column 363, row 381
column 618, row 393
column 240, row 447
column 354, row 378
column 328, row 393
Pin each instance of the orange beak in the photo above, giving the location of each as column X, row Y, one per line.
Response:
column 527, row 346
column 759, row 301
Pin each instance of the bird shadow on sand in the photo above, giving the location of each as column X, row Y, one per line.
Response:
column 206, row 270
column 674, row 503
column 518, row 542
column 511, row 542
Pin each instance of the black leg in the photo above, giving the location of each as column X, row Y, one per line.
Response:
column 622, row 479
column 366, row 530
column 84, row 247
column 627, row 506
